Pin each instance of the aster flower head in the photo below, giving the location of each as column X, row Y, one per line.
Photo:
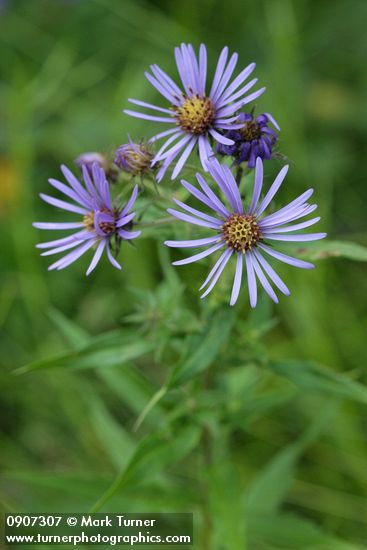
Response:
column 135, row 158
column 247, row 235
column 253, row 139
column 88, row 159
column 197, row 113
column 100, row 221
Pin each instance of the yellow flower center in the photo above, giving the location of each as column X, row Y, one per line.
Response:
column 107, row 227
column 241, row 232
column 195, row 115
column 250, row 130
column 88, row 221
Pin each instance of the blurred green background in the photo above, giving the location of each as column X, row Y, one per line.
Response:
column 67, row 68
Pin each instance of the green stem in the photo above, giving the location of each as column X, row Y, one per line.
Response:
column 207, row 460
column 239, row 174
column 149, row 406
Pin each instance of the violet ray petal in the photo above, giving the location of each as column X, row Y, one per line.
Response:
column 164, row 134
column 159, row 155
column 176, row 147
column 218, row 205
column 237, row 281
column 253, row 96
column 201, row 197
column 202, row 68
column 63, row 205
column 295, row 238
column 103, row 186
column 79, row 236
column 272, row 191
column 203, row 152
column 66, row 190
column 163, row 169
column 220, row 138
column 111, row 258
column 150, row 106
column 273, row 121
column 130, row 203
column 171, row 84
column 191, row 219
column 125, row 219
column 180, row 163
column 219, row 70
column 199, row 256
column 238, row 81
column 219, row 176
column 293, row 214
column 209, row 151
column 238, row 94
column 226, row 254
column 182, row 70
column 75, row 183
column 226, row 111
column 263, row 280
column 161, row 87
column 90, row 186
column 295, row 227
column 257, row 185
column 128, row 235
column 192, row 243
column 285, row 258
column 198, row 213
column 57, row 226
column 72, row 256
column 232, row 185
column 97, row 256
column 227, row 120
column 226, row 77
column 230, row 109
column 271, row 273
column 136, row 114
column 224, row 126
column 72, row 244
column 294, row 204
column 193, row 62
column 251, row 279
column 189, row 72
column 195, row 66
column 218, row 271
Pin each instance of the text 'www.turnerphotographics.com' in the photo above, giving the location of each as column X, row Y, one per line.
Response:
column 97, row 529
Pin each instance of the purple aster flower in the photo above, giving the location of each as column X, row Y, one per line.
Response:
column 245, row 234
column 253, row 139
column 100, row 220
column 196, row 116
column 135, row 158
column 88, row 159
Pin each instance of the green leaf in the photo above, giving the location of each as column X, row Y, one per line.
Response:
column 317, row 378
column 206, row 347
column 288, row 532
column 105, row 351
column 132, row 388
column 229, row 527
column 116, row 441
column 73, row 334
column 321, row 250
column 153, row 454
column 272, row 483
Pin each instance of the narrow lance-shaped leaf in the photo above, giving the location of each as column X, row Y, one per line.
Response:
column 320, row 250
column 320, row 379
column 206, row 347
column 153, row 454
